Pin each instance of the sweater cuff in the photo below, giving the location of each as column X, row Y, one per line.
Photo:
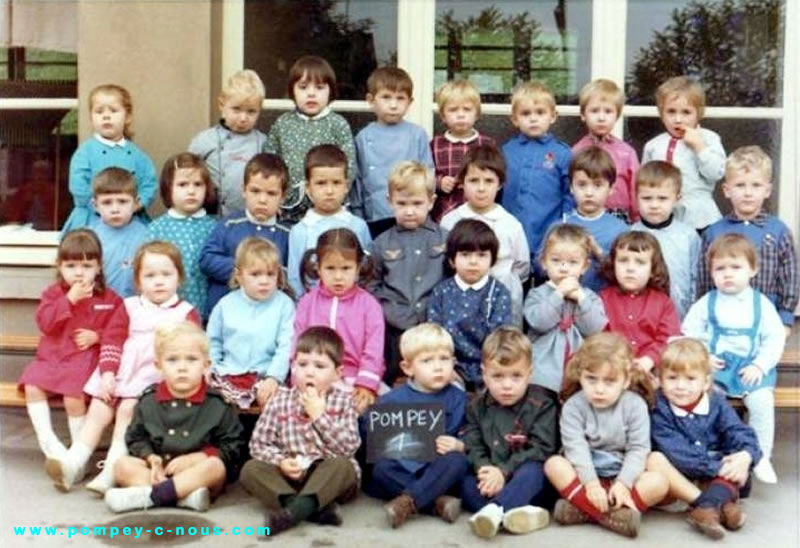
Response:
column 211, row 451
column 369, row 380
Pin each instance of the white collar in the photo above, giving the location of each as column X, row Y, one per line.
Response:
column 702, row 407
column 466, row 140
column 269, row 222
column 196, row 215
column 477, row 286
column 321, row 114
column 109, row 143
column 312, row 217
column 585, row 218
column 169, row 303
column 493, row 214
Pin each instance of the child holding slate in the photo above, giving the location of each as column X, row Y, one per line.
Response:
column 415, row 486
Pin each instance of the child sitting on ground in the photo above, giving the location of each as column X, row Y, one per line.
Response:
column 305, row 439
column 184, row 441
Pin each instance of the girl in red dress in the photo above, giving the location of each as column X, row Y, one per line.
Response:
column 72, row 314
column 637, row 300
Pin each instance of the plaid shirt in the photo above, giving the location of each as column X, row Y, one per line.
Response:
column 448, row 154
column 285, row 431
column 777, row 276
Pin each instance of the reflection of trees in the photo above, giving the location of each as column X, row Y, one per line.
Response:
column 485, row 43
column 278, row 32
column 731, row 46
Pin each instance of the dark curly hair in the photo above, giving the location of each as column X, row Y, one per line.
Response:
column 639, row 241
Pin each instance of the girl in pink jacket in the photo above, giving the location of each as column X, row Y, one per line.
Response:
column 338, row 302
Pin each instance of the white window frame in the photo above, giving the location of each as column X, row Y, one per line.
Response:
column 416, row 20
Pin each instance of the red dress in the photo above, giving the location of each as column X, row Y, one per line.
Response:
column 646, row 319
column 59, row 367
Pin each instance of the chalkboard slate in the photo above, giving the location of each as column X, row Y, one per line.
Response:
column 403, row 431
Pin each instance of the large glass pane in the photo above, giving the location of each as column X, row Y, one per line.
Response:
column 734, row 47
column 355, row 36
column 735, row 133
column 501, row 44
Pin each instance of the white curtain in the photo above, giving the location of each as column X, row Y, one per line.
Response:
column 43, row 24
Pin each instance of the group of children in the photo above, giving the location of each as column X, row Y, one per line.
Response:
column 313, row 321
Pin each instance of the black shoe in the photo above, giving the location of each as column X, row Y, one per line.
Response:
column 278, row 522
column 329, row 515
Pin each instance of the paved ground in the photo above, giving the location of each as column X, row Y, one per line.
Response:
column 28, row 499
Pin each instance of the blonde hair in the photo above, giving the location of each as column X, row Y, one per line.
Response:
column 412, row 177
column 167, row 333
column 574, row 234
column 655, row 172
column 458, row 90
column 732, row 245
column 254, row 248
column 425, row 337
column 535, row 91
column 750, row 158
column 244, row 83
column 682, row 85
column 684, row 355
column 125, row 100
column 602, row 89
column 506, row 346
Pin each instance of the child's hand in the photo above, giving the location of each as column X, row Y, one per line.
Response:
column 84, row 338
column 313, row 402
column 447, row 184
column 184, row 462
column 736, row 467
column 597, row 495
column 80, row 291
column 645, row 363
column 108, row 383
column 490, row 480
column 693, row 139
column 363, row 398
column 156, row 464
column 717, row 363
column 566, row 286
column 751, row 374
column 291, row 469
column 619, row 495
column 265, row 389
column 446, row 444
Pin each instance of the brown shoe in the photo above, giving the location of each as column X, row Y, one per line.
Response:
column 399, row 509
column 707, row 521
column 567, row 513
column 732, row 516
column 448, row 508
column 623, row 521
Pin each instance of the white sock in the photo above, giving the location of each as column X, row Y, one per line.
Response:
column 75, row 424
column 79, row 454
column 118, row 449
column 39, row 412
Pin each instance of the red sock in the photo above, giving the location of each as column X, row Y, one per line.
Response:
column 576, row 494
column 637, row 500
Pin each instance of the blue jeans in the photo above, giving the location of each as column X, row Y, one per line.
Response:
column 527, row 485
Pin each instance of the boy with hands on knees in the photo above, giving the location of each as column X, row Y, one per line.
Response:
column 184, row 440
column 512, row 428
column 414, row 486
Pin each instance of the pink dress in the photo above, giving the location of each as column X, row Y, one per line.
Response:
column 59, row 366
column 133, row 360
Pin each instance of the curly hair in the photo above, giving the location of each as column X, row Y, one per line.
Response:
column 640, row 242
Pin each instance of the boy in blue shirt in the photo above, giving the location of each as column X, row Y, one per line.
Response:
column 120, row 232
column 537, row 183
column 386, row 142
column 592, row 173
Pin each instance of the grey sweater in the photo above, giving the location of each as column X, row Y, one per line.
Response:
column 622, row 430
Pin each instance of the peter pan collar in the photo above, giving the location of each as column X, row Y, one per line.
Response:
column 169, row 303
column 477, row 286
column 321, row 114
column 163, row 394
column 200, row 213
column 702, row 408
column 466, row 140
column 109, row 143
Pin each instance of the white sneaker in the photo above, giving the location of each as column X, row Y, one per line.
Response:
column 64, row 472
column 764, row 472
column 103, row 481
column 199, row 499
column 124, row 499
column 486, row 521
column 525, row 519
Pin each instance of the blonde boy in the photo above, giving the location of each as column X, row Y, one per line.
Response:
column 409, row 257
column 227, row 146
column 748, row 184
column 658, row 189
column 414, row 486
column 459, row 104
column 165, row 469
column 385, row 142
column 601, row 104
column 536, row 190
column 696, row 151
